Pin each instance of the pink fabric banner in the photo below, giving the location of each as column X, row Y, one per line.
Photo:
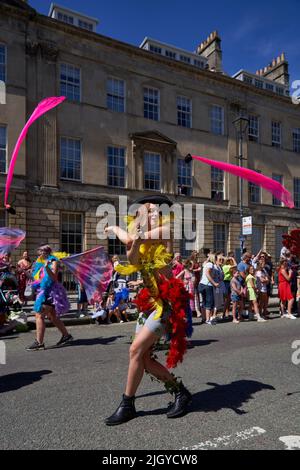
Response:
column 252, row 176
column 41, row 109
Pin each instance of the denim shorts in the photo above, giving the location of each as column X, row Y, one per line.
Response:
column 235, row 297
column 207, row 293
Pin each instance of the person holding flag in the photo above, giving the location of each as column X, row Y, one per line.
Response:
column 51, row 299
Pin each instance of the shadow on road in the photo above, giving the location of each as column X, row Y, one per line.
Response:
column 231, row 396
column 21, row 379
column 87, row 342
column 200, row 342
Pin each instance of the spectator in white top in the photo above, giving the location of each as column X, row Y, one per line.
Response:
column 206, row 286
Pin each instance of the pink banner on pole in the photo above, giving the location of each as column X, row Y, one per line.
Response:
column 252, row 176
column 41, row 109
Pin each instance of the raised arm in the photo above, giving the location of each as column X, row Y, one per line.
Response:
column 122, row 235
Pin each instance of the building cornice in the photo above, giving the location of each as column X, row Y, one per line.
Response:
column 215, row 77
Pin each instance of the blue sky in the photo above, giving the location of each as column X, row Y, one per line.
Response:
column 252, row 33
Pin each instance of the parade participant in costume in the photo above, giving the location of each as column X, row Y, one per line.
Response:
column 163, row 304
column 51, row 299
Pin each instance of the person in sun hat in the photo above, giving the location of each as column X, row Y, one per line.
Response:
column 163, row 303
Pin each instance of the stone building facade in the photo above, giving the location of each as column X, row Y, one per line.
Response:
column 130, row 118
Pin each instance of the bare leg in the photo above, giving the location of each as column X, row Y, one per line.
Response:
column 290, row 306
column 50, row 312
column 156, row 368
column 141, row 344
column 40, row 327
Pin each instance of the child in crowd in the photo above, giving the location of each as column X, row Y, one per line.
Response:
column 100, row 312
column 263, row 280
column 252, row 293
column 236, row 293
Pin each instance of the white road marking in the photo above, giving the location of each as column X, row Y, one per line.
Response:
column 291, row 442
column 227, row 440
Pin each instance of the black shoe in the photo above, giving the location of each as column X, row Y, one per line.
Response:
column 64, row 340
column 125, row 412
column 36, row 346
column 183, row 398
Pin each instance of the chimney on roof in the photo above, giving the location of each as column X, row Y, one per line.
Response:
column 278, row 70
column 211, row 50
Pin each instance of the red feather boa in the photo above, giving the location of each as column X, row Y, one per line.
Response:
column 174, row 294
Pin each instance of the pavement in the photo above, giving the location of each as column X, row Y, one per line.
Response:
column 244, row 379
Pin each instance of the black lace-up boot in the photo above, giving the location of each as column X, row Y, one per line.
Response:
column 125, row 412
column 183, row 399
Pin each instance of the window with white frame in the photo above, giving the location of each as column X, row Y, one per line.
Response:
column 3, row 149
column 116, row 166
column 170, row 54
column 85, row 25
column 296, row 140
column 152, row 171
column 279, row 90
column 70, row 82
column 184, row 177
column 65, row 18
column 151, row 103
column 184, row 111
column 72, row 232
column 199, row 63
column 276, row 134
column 217, row 120
column 220, row 238
column 185, row 58
column 297, row 192
column 258, row 83
column 155, row 49
column 253, row 128
column 2, row 63
column 248, row 79
column 269, row 86
column 115, row 246
column 217, row 184
column 279, row 179
column 70, row 159
column 254, row 192
column 115, row 95
column 188, row 237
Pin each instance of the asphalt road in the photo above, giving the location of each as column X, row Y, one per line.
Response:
column 246, row 391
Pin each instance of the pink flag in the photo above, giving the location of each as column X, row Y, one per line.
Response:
column 41, row 109
column 93, row 270
column 265, row 182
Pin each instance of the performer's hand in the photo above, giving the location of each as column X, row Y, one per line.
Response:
column 108, row 229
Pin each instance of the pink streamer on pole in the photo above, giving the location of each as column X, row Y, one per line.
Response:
column 278, row 191
column 41, row 109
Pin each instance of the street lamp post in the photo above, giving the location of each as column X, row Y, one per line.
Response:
column 241, row 124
